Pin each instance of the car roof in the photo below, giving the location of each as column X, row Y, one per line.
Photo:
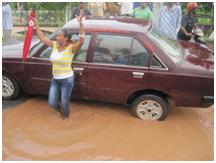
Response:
column 109, row 24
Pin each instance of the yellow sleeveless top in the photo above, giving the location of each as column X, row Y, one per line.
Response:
column 61, row 62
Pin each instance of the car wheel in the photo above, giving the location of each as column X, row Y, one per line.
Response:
column 10, row 88
column 150, row 107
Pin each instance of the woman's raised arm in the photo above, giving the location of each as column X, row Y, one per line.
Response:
column 41, row 36
column 78, row 44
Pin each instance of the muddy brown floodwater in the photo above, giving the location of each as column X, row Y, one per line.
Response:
column 95, row 131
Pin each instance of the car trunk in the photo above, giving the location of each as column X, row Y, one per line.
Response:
column 197, row 60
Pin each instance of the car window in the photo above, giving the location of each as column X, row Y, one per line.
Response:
column 112, row 49
column 156, row 63
column 46, row 53
column 35, row 48
column 139, row 55
column 39, row 45
column 81, row 54
column 171, row 47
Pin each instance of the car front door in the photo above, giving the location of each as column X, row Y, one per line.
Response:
column 39, row 69
column 119, row 66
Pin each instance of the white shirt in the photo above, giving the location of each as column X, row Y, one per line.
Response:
column 7, row 18
column 170, row 21
column 61, row 60
column 126, row 8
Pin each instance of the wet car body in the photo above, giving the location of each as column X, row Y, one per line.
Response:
column 101, row 75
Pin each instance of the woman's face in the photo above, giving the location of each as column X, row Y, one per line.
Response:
column 60, row 38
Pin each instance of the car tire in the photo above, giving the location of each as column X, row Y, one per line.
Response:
column 150, row 107
column 10, row 88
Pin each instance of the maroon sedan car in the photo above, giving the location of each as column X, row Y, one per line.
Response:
column 120, row 62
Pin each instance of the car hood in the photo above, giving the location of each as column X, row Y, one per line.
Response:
column 197, row 57
column 15, row 50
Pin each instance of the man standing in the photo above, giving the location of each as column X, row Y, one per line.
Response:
column 76, row 11
column 143, row 12
column 97, row 9
column 170, row 20
column 126, row 8
column 7, row 24
column 188, row 22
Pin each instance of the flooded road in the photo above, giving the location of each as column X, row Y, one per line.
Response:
column 100, row 131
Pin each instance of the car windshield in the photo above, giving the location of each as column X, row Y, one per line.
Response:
column 171, row 47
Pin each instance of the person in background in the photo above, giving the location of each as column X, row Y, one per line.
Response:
column 137, row 4
column 170, row 20
column 150, row 6
column 61, row 58
column 76, row 11
column 126, row 8
column 143, row 12
column 97, row 9
column 178, row 4
column 188, row 22
column 7, row 22
column 112, row 9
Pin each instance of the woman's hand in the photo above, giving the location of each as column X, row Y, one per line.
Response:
column 78, row 44
column 40, row 34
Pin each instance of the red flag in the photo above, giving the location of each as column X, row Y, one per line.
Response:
column 28, row 37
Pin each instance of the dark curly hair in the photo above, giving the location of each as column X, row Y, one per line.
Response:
column 67, row 34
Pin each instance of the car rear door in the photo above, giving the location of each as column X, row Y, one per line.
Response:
column 119, row 66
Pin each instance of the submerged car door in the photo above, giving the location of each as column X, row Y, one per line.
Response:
column 40, row 69
column 119, row 66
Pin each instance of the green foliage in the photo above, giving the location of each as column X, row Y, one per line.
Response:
column 43, row 5
column 205, row 8
column 53, row 5
column 48, row 13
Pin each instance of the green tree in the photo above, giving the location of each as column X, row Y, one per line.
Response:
column 205, row 8
column 43, row 5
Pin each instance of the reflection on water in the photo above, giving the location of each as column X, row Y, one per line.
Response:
column 32, row 131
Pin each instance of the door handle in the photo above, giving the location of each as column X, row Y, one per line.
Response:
column 138, row 74
column 78, row 69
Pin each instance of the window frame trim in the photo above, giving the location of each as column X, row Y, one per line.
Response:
column 38, row 56
column 119, row 65
column 155, row 68
column 132, row 35
column 144, row 46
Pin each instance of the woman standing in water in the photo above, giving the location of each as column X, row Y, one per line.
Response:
column 61, row 58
